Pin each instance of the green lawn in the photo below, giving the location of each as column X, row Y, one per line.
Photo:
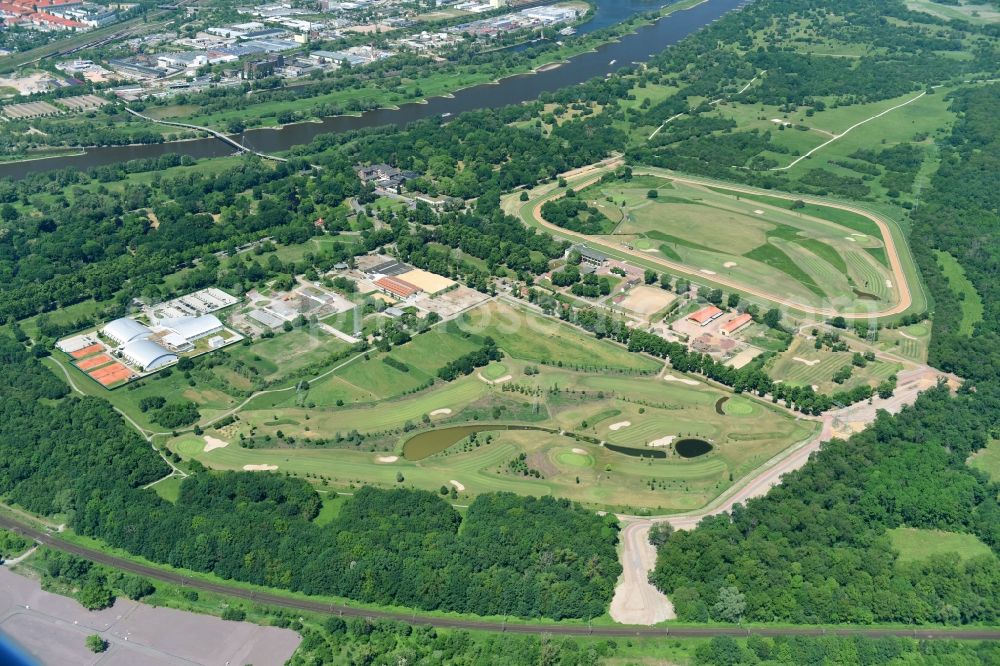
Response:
column 969, row 299
column 988, row 460
column 916, row 544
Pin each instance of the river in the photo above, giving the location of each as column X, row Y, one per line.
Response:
column 639, row 46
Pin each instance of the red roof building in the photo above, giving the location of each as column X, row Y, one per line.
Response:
column 735, row 324
column 706, row 315
column 396, row 287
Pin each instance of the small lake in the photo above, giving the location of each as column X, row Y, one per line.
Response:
column 429, row 442
column 691, row 447
column 636, row 453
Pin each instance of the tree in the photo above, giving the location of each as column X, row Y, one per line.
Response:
column 652, row 194
column 734, row 301
column 659, row 533
column 95, row 643
column 772, row 318
column 94, row 595
column 730, row 606
column 650, row 276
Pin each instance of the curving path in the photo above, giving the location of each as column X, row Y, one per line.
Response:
column 895, row 264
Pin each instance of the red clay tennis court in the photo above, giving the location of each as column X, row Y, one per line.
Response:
column 93, row 362
column 111, row 374
column 87, row 351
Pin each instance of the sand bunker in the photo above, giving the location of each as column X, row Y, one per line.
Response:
column 802, row 360
column 387, row 459
column 888, row 283
column 212, row 443
column 498, row 380
column 579, row 451
column 441, row 412
column 259, row 468
column 682, row 380
column 860, row 235
column 619, row 425
column 852, row 239
column 663, row 441
column 458, row 486
column 758, row 212
column 707, row 272
column 729, row 264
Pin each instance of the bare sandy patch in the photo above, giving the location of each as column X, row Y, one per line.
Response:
column 444, row 411
column 619, row 425
column 804, row 361
column 259, row 468
column 707, row 272
column 212, row 443
column 729, row 264
column 663, row 441
column 498, row 380
column 458, row 486
column 581, row 452
column 386, row 459
column 682, row 380
column 636, row 601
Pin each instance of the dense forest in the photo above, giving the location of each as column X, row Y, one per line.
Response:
column 815, row 549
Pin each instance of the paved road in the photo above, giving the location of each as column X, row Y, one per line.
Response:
column 986, row 633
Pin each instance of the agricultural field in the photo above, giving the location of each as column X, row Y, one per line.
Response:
column 815, row 256
column 632, row 404
column 804, row 365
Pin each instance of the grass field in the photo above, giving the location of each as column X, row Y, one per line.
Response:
column 970, row 300
column 915, row 544
column 813, row 252
column 529, row 337
column 988, row 460
column 807, row 372
column 583, row 402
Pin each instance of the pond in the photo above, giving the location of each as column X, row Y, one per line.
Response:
column 429, row 442
column 691, row 447
column 637, row 453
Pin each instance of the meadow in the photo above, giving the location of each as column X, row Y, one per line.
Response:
column 919, row 544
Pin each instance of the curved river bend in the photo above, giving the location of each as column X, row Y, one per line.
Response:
column 639, row 46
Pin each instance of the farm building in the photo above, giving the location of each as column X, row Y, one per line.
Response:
column 147, row 355
column 396, row 287
column 706, row 315
column 125, row 330
column 736, row 324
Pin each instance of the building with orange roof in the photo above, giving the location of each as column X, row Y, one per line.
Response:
column 735, row 324
column 706, row 315
column 396, row 287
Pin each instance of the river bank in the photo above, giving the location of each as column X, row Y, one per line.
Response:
column 637, row 46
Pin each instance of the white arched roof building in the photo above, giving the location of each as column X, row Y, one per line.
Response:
column 125, row 330
column 193, row 328
column 147, row 355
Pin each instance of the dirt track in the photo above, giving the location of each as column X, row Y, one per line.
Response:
column 895, row 265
